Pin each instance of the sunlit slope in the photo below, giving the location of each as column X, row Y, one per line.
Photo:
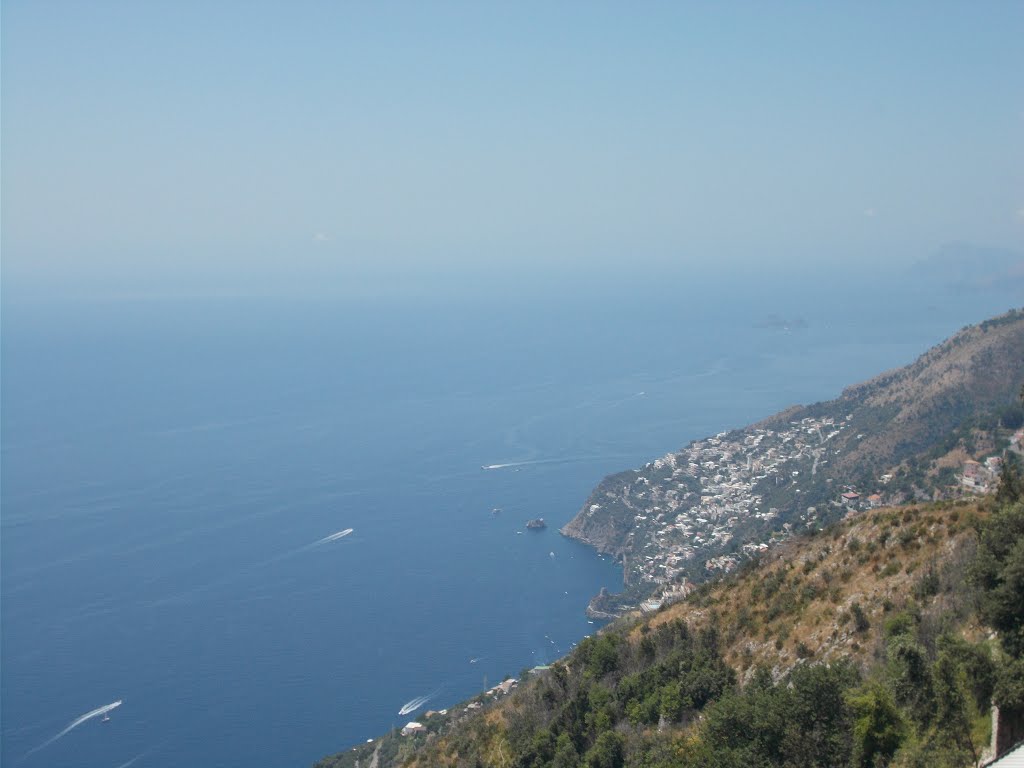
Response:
column 868, row 643
column 902, row 436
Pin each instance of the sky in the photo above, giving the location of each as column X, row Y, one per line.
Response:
column 271, row 146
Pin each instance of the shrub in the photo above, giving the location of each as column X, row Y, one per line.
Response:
column 891, row 569
column 860, row 619
column 878, row 729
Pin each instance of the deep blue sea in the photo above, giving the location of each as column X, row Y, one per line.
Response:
column 168, row 467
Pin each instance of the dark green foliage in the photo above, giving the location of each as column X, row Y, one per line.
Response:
column 909, row 672
column 672, row 702
column 1011, row 486
column 927, row 753
column 566, row 755
column 1009, row 688
column 953, row 712
column 976, row 662
column 607, row 752
column 577, row 708
column 903, row 623
column 600, row 654
column 663, row 697
column 878, row 727
column 860, row 619
column 999, row 572
column 802, row 722
column 919, row 709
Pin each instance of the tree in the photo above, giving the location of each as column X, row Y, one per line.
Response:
column 671, row 702
column 878, row 729
column 910, row 675
column 953, row 712
column 818, row 719
column 1009, row 688
column 860, row 619
column 1010, row 488
column 607, row 752
column 603, row 656
column 998, row 569
column 566, row 755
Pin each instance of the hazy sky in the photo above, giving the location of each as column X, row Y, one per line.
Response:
column 259, row 144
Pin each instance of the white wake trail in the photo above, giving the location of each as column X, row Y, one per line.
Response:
column 333, row 537
column 77, row 722
column 133, row 760
column 141, row 755
column 307, row 547
column 534, row 462
column 528, row 463
column 411, row 706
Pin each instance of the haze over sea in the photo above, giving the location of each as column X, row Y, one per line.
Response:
column 167, row 466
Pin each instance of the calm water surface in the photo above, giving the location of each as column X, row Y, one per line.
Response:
column 169, row 467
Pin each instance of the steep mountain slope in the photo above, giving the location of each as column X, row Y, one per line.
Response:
column 861, row 645
column 903, row 435
column 833, row 628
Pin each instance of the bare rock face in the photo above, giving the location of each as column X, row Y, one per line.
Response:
column 605, row 521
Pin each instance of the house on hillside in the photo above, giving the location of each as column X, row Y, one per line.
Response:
column 975, row 476
column 503, row 687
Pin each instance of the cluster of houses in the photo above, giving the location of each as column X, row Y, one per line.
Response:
column 854, row 501
column 687, row 502
column 983, row 476
column 979, row 477
column 668, row 595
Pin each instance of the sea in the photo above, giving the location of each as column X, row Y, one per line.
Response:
column 176, row 471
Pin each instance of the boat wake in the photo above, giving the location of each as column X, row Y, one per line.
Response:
column 135, row 759
column 332, row 537
column 411, row 706
column 75, row 723
column 183, row 597
column 509, row 464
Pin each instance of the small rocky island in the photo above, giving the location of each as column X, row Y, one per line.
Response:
column 537, row 524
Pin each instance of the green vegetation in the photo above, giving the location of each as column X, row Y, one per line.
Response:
column 739, row 674
column 902, row 437
column 880, row 641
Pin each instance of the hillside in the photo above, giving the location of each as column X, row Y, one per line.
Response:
column 870, row 643
column 906, row 435
column 862, row 600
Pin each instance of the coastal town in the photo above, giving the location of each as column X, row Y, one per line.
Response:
column 720, row 500
column 692, row 502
